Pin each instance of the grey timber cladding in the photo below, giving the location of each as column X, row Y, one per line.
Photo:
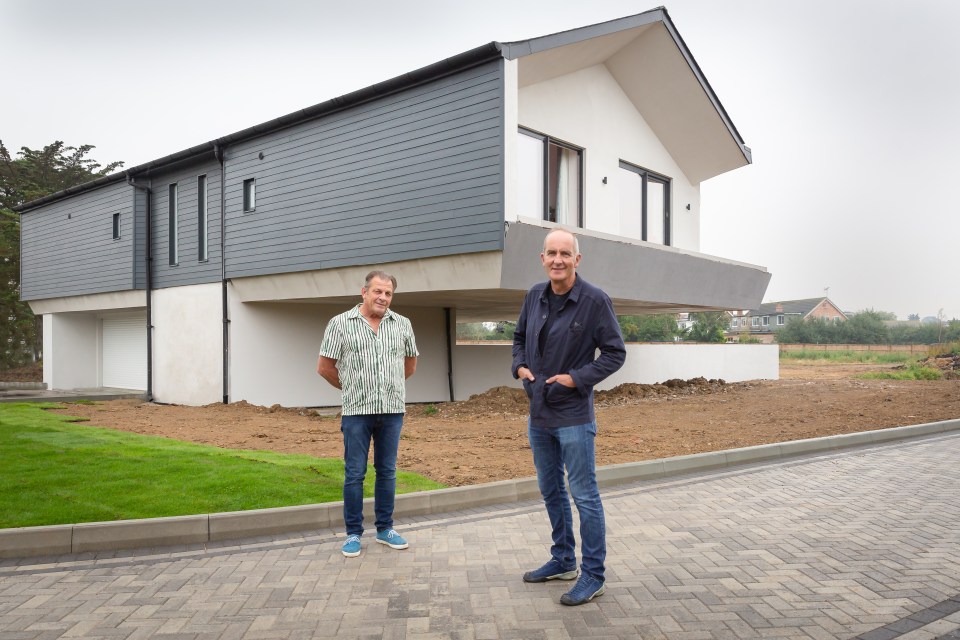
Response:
column 411, row 175
column 68, row 249
column 189, row 269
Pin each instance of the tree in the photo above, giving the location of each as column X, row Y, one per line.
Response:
column 649, row 328
column 708, row 327
column 913, row 316
column 34, row 174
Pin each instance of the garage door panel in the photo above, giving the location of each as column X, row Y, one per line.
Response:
column 124, row 352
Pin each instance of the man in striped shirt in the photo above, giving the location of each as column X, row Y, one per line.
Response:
column 368, row 352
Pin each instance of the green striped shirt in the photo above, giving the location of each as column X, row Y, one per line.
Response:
column 371, row 365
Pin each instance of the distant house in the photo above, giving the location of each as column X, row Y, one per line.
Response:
column 209, row 274
column 762, row 322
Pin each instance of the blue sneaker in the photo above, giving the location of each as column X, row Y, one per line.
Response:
column 586, row 589
column 351, row 547
column 392, row 539
column 553, row 570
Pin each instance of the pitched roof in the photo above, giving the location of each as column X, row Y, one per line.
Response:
column 685, row 112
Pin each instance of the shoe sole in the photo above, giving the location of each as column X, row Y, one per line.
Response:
column 596, row 594
column 569, row 575
column 394, row 546
column 349, row 554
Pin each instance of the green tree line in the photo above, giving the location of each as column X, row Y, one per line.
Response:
column 34, row 173
column 865, row 327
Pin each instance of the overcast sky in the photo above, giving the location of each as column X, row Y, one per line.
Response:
column 850, row 107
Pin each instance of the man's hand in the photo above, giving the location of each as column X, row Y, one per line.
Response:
column 563, row 378
column 327, row 367
column 525, row 374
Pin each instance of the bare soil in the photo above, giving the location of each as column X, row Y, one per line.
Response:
column 484, row 438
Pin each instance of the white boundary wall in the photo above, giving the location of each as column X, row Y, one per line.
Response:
column 479, row 366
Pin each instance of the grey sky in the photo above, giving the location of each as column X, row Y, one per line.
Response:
column 850, row 108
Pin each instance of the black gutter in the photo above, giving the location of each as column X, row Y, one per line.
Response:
column 450, row 342
column 225, row 310
column 148, row 259
column 453, row 64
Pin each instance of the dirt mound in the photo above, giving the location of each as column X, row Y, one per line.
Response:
column 629, row 392
column 948, row 364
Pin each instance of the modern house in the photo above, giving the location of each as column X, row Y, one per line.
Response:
column 209, row 275
column 762, row 322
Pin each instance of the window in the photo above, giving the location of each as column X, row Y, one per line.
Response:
column 754, row 322
column 116, row 226
column 250, row 194
column 202, row 218
column 766, row 321
column 644, row 204
column 550, row 179
column 172, row 225
column 780, row 320
column 735, row 323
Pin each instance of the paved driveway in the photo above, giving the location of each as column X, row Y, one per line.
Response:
column 864, row 542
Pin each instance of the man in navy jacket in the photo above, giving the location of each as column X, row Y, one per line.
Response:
column 562, row 324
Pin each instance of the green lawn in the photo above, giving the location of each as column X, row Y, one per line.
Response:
column 55, row 470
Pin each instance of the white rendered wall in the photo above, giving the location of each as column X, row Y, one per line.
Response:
column 590, row 110
column 187, row 339
column 274, row 349
column 481, row 367
column 71, row 351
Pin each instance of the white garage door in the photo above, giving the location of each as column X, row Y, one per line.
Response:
column 125, row 352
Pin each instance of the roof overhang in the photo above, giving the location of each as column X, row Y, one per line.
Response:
column 650, row 61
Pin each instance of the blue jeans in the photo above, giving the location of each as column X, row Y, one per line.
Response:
column 358, row 431
column 573, row 448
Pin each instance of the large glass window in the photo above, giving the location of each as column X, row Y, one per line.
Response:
column 550, row 179
column 172, row 224
column 644, row 204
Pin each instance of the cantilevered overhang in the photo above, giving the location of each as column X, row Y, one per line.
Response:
column 640, row 277
column 650, row 61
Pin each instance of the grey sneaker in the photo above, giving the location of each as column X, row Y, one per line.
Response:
column 351, row 547
column 586, row 589
column 553, row 570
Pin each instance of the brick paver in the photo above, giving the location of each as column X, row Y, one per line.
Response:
column 861, row 543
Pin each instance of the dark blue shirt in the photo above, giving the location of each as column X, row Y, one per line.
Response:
column 586, row 322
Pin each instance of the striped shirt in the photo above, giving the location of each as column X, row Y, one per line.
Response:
column 370, row 365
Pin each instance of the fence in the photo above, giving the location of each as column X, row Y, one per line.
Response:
column 881, row 348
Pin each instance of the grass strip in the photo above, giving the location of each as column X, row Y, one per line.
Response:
column 55, row 470
column 876, row 357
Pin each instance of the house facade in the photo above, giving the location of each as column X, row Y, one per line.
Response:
column 209, row 275
column 761, row 323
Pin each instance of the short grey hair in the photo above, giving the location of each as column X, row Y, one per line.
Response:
column 380, row 275
column 576, row 243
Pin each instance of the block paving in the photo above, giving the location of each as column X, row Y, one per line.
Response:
column 859, row 544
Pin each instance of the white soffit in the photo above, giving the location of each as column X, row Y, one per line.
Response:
column 655, row 74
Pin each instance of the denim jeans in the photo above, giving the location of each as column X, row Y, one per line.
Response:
column 358, row 431
column 573, row 448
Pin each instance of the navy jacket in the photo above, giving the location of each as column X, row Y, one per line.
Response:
column 585, row 323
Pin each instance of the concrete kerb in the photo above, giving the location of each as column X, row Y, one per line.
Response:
column 200, row 529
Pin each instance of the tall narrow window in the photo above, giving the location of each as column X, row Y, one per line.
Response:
column 249, row 194
column 202, row 218
column 644, row 204
column 116, row 226
column 172, row 225
column 550, row 179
